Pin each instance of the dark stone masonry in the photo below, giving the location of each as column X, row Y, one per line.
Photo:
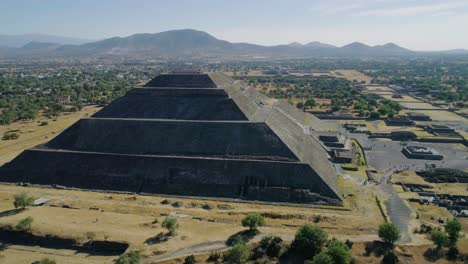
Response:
column 186, row 134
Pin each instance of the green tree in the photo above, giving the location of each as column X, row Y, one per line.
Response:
column 440, row 239
column 22, row 200
column 253, row 221
column 389, row 233
column 24, row 224
column 453, row 228
column 321, row 258
column 374, row 115
column 171, row 224
column 339, row 252
column 132, row 257
column 310, row 103
column 237, row 254
column 271, row 246
column 309, row 240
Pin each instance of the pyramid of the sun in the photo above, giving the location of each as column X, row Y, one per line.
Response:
column 187, row 134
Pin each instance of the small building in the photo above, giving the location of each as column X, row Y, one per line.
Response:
column 332, row 139
column 342, row 156
column 418, row 152
column 419, row 116
column 357, row 128
column 399, row 121
column 440, row 130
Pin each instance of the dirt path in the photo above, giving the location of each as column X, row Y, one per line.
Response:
column 399, row 212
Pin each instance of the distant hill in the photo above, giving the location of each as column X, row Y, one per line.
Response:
column 16, row 41
column 189, row 43
column 319, row 45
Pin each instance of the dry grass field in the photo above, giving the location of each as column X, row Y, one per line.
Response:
column 428, row 213
column 439, row 115
column 135, row 219
column 378, row 88
column 352, row 75
column 419, row 106
column 404, row 99
column 249, row 73
column 31, row 133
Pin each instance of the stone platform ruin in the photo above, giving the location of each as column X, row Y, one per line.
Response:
column 188, row 134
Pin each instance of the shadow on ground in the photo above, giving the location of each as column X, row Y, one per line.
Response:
column 11, row 212
column 161, row 237
column 245, row 235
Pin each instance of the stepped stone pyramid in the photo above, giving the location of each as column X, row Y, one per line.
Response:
column 188, row 134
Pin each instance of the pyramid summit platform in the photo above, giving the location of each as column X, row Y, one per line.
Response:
column 188, row 134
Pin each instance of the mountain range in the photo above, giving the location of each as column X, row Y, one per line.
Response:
column 193, row 43
column 17, row 41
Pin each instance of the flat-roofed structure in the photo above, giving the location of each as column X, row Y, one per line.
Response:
column 188, row 134
column 399, row 121
column 418, row 152
column 418, row 116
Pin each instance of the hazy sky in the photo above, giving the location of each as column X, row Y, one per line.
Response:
column 415, row 24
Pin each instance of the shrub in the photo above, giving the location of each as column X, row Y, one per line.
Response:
column 44, row 123
column 439, row 238
column 309, row 240
column 214, row 257
column 10, row 136
column 389, row 233
column 237, row 254
column 253, row 221
column 374, row 115
column 171, row 224
column 165, row 201
column 45, row 261
column 452, row 253
column 207, row 206
column 24, row 224
column 132, row 257
column 271, row 246
column 321, row 258
column 349, row 243
column 274, row 248
column 390, row 258
column 453, row 228
column 190, row 260
column 22, row 200
column 339, row 252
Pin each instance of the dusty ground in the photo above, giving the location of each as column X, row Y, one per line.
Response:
column 378, row 88
column 428, row 213
column 352, row 75
column 32, row 134
column 417, row 106
column 242, row 73
column 439, row 115
column 134, row 219
column 405, row 98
